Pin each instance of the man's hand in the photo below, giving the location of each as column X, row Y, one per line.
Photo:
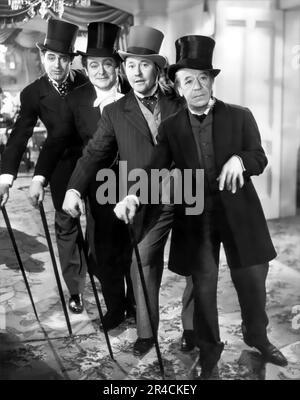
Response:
column 126, row 209
column 231, row 175
column 36, row 193
column 4, row 194
column 73, row 204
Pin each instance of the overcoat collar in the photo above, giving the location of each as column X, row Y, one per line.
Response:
column 222, row 135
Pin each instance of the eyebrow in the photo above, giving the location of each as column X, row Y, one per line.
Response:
column 188, row 77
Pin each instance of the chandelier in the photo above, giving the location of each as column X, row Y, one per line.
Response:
column 46, row 6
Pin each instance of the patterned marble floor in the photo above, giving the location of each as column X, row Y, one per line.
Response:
column 33, row 351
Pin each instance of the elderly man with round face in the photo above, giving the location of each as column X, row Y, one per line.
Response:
column 44, row 99
column 130, row 127
column 110, row 257
column 224, row 141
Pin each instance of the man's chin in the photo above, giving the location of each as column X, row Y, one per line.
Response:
column 199, row 104
column 57, row 78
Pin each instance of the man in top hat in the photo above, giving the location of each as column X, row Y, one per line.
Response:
column 224, row 141
column 107, row 236
column 44, row 99
column 130, row 127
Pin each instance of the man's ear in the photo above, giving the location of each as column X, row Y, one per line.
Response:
column 42, row 56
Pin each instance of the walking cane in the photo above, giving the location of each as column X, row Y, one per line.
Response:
column 140, row 268
column 14, row 243
column 61, row 294
column 83, row 244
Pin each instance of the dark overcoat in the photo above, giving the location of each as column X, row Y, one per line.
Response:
column 235, row 132
column 41, row 100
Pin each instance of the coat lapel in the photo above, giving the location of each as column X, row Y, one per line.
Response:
column 168, row 105
column 87, row 116
column 185, row 135
column 222, row 133
column 134, row 115
column 87, row 95
column 49, row 96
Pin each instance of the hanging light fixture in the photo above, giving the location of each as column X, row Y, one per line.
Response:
column 45, row 7
column 17, row 4
column 57, row 6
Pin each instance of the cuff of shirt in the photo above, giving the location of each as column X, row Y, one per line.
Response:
column 75, row 191
column 6, row 179
column 241, row 161
column 134, row 198
column 39, row 178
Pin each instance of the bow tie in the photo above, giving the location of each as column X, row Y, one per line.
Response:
column 200, row 118
column 149, row 102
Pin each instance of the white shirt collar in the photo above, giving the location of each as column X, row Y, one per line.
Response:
column 105, row 97
column 55, row 83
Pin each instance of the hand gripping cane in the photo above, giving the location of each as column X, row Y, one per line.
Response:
column 83, row 244
column 14, row 243
column 141, row 273
column 61, row 294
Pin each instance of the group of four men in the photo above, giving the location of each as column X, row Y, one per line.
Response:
column 149, row 126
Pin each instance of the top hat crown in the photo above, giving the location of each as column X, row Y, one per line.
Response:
column 195, row 52
column 60, row 37
column 101, row 40
column 144, row 41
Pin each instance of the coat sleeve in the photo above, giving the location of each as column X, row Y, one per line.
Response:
column 252, row 153
column 21, row 133
column 97, row 154
column 55, row 146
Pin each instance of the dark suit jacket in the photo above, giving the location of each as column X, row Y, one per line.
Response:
column 235, row 132
column 80, row 123
column 122, row 128
column 41, row 100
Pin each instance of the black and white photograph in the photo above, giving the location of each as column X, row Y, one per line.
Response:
column 149, row 193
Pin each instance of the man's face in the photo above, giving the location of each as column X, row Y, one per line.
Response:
column 141, row 74
column 102, row 72
column 57, row 65
column 196, row 87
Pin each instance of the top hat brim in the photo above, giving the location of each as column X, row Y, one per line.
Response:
column 101, row 53
column 44, row 47
column 161, row 61
column 192, row 64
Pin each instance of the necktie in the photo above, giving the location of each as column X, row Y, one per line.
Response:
column 62, row 88
column 149, row 102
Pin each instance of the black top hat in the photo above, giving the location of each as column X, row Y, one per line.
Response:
column 101, row 40
column 60, row 37
column 193, row 52
column 144, row 41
